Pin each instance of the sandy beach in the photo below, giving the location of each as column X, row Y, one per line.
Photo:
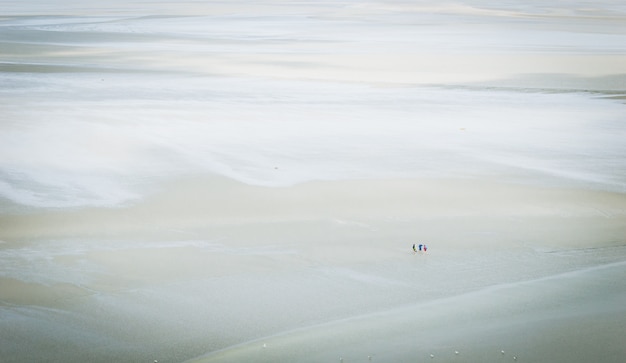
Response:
column 244, row 181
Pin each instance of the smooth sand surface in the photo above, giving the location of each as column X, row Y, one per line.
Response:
column 320, row 271
column 561, row 318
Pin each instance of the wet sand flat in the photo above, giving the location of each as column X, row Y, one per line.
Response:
column 326, row 264
column 244, row 181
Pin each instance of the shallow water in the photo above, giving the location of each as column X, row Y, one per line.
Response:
column 99, row 102
column 64, row 151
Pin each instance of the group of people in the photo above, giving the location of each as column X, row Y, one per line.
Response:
column 420, row 248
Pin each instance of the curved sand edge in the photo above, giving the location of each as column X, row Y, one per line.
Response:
column 563, row 318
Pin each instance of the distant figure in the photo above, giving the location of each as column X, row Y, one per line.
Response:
column 425, row 248
column 414, row 250
column 420, row 246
